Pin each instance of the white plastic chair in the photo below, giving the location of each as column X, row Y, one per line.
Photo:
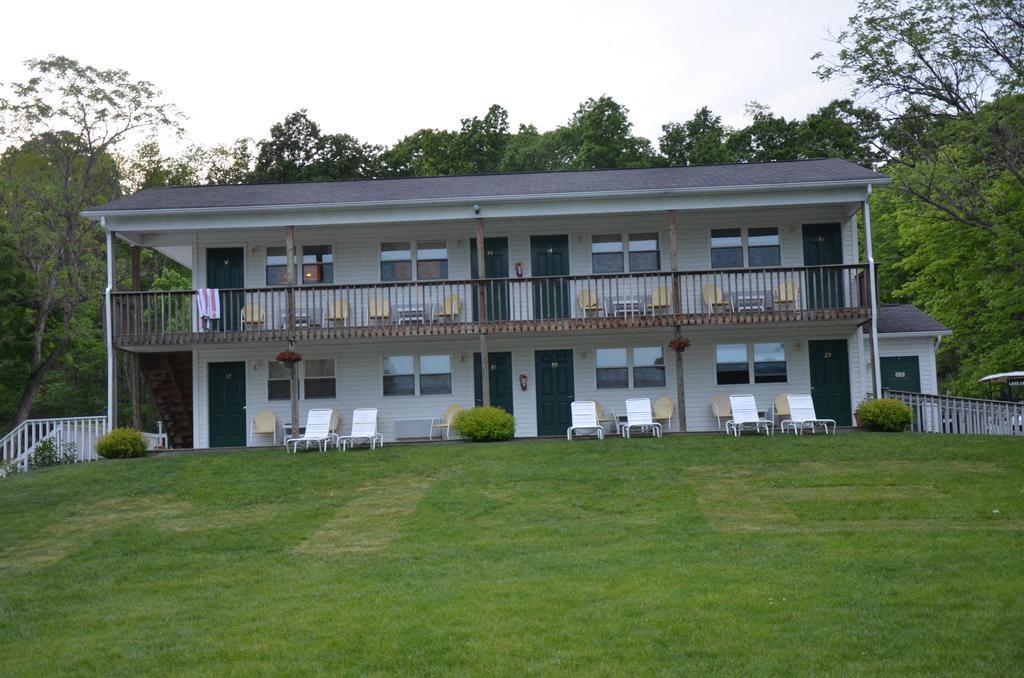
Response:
column 318, row 430
column 584, row 418
column 639, row 415
column 364, row 430
column 802, row 416
column 745, row 416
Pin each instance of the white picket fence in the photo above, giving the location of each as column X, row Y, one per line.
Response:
column 17, row 446
column 949, row 414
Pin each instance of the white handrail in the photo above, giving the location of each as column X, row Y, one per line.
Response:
column 970, row 416
column 83, row 432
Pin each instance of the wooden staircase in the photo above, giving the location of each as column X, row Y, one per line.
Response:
column 169, row 377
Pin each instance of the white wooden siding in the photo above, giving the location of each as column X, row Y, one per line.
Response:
column 921, row 347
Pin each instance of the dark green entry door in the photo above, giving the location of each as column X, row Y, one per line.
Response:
column 830, row 379
column 549, row 256
column 496, row 271
column 225, row 271
column 555, row 391
column 823, row 246
column 901, row 374
column 227, row 404
column 501, row 380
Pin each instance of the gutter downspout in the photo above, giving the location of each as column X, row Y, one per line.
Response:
column 108, row 310
column 873, row 291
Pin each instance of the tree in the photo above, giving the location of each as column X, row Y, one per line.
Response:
column 841, row 130
column 767, row 138
column 531, row 151
column 698, row 141
column 298, row 151
column 599, row 136
column 65, row 123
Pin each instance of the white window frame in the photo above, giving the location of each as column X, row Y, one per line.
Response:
column 414, row 260
column 751, row 376
column 744, row 246
column 416, row 373
column 624, row 243
column 630, row 366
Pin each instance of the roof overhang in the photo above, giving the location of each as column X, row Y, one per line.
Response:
column 504, row 207
column 912, row 335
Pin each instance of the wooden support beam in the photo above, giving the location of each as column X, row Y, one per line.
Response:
column 293, row 366
column 485, row 363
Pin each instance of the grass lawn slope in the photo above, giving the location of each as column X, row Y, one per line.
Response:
column 856, row 554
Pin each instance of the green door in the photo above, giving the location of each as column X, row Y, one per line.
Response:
column 501, row 380
column 555, row 391
column 227, row 404
column 901, row 374
column 823, row 246
column 495, row 270
column 830, row 379
column 549, row 256
column 225, row 271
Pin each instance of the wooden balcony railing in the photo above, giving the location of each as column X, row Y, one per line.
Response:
column 509, row 304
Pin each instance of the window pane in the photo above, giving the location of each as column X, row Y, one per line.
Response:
column 644, row 261
column 648, row 357
column 395, row 251
column 761, row 237
column 764, row 256
column 395, row 270
column 432, row 270
column 400, row 385
column 319, row 368
column 611, row 357
column 607, row 263
column 731, row 257
column 648, row 376
column 731, row 364
column 726, row 237
column 320, row 388
column 435, row 364
column 643, row 242
column 279, row 389
column 435, row 384
column 279, row 370
column 317, row 264
column 769, row 363
column 431, row 250
column 277, row 266
column 605, row 244
column 612, row 377
column 277, row 256
column 398, row 364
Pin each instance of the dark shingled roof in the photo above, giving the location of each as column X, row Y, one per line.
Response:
column 893, row 318
column 485, row 186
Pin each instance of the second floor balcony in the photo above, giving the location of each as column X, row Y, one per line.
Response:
column 494, row 305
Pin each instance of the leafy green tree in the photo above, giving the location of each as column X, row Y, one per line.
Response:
column 841, row 130
column 298, row 151
column 531, row 151
column 600, row 136
column 767, row 138
column 698, row 141
column 64, row 124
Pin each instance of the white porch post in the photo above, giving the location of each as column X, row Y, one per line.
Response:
column 485, row 359
column 876, row 368
column 108, row 311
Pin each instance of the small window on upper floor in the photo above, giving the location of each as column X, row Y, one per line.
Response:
column 727, row 248
column 432, row 260
column 643, row 252
column 277, row 266
column 317, row 264
column 395, row 261
column 763, row 247
column 752, row 248
column 606, row 254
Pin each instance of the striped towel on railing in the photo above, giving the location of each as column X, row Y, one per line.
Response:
column 208, row 302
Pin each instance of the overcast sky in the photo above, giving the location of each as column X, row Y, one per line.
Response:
column 380, row 70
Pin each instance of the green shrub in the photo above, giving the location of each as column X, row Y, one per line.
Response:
column 885, row 414
column 485, row 424
column 49, row 453
column 121, row 443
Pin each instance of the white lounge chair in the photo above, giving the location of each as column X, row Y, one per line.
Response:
column 640, row 416
column 364, row 430
column 584, row 418
column 802, row 416
column 318, row 430
column 745, row 416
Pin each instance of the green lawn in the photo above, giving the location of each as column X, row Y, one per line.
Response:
column 856, row 554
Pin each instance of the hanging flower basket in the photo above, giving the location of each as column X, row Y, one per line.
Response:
column 288, row 357
column 679, row 345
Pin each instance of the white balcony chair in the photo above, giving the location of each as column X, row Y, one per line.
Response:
column 584, row 418
column 364, row 430
column 640, row 416
column 802, row 416
column 745, row 416
column 318, row 430
column 264, row 423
